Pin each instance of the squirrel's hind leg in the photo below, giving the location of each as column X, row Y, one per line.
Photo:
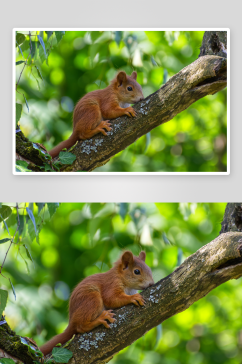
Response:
column 91, row 124
column 91, row 315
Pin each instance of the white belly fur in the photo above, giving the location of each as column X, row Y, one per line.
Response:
column 123, row 104
column 130, row 291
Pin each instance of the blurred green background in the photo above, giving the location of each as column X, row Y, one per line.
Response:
column 82, row 239
column 194, row 141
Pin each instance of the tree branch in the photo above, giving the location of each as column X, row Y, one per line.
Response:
column 212, row 265
column 232, row 220
column 206, row 76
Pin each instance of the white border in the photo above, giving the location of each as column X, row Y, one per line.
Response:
column 124, row 173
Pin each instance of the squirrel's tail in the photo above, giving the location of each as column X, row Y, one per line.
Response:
column 65, row 144
column 61, row 338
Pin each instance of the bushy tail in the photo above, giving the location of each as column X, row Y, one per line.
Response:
column 61, row 338
column 65, row 144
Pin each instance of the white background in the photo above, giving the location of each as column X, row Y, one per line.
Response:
column 125, row 188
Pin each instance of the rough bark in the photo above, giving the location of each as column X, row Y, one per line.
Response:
column 12, row 346
column 206, row 76
column 215, row 43
column 232, row 220
column 212, row 265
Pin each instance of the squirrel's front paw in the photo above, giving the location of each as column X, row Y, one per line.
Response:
column 130, row 111
column 135, row 298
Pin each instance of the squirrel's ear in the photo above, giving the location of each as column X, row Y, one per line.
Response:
column 127, row 259
column 121, row 78
column 134, row 75
column 142, row 256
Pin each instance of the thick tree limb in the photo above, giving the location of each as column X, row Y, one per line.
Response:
column 206, row 76
column 215, row 43
column 232, row 220
column 212, row 265
column 11, row 343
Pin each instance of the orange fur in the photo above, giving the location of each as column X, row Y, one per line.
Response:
column 94, row 111
column 93, row 298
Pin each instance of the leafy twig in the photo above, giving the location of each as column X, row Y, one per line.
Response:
column 12, row 240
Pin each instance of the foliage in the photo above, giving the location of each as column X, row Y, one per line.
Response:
column 83, row 239
column 195, row 140
column 21, row 229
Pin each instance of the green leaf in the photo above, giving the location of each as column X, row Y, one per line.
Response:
column 52, row 207
column 19, row 62
column 48, row 168
column 40, row 206
column 57, row 165
column 31, row 231
column 19, row 109
column 5, row 212
column 33, row 49
column 49, row 34
column 20, row 49
column 22, row 169
column 22, row 163
column 39, row 74
column 153, row 61
column 6, row 361
column 12, row 288
column 118, row 37
column 29, row 254
column 3, row 301
column 61, row 355
column 22, row 223
column 31, row 215
column 59, row 35
column 20, row 38
column 2, row 241
column 42, row 44
column 42, row 55
column 26, row 103
column 166, row 240
column 123, row 209
column 66, row 157
column 6, row 226
column 12, row 220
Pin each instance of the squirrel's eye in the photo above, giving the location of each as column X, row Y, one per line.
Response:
column 129, row 88
column 136, row 271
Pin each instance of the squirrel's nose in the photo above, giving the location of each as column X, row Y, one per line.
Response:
column 142, row 98
column 151, row 284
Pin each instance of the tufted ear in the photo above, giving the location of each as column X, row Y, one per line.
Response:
column 121, row 78
column 142, row 256
column 134, row 75
column 127, row 259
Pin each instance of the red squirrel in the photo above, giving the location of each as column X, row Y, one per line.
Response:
column 93, row 111
column 92, row 299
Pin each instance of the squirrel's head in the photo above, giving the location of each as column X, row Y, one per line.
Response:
column 135, row 273
column 129, row 90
